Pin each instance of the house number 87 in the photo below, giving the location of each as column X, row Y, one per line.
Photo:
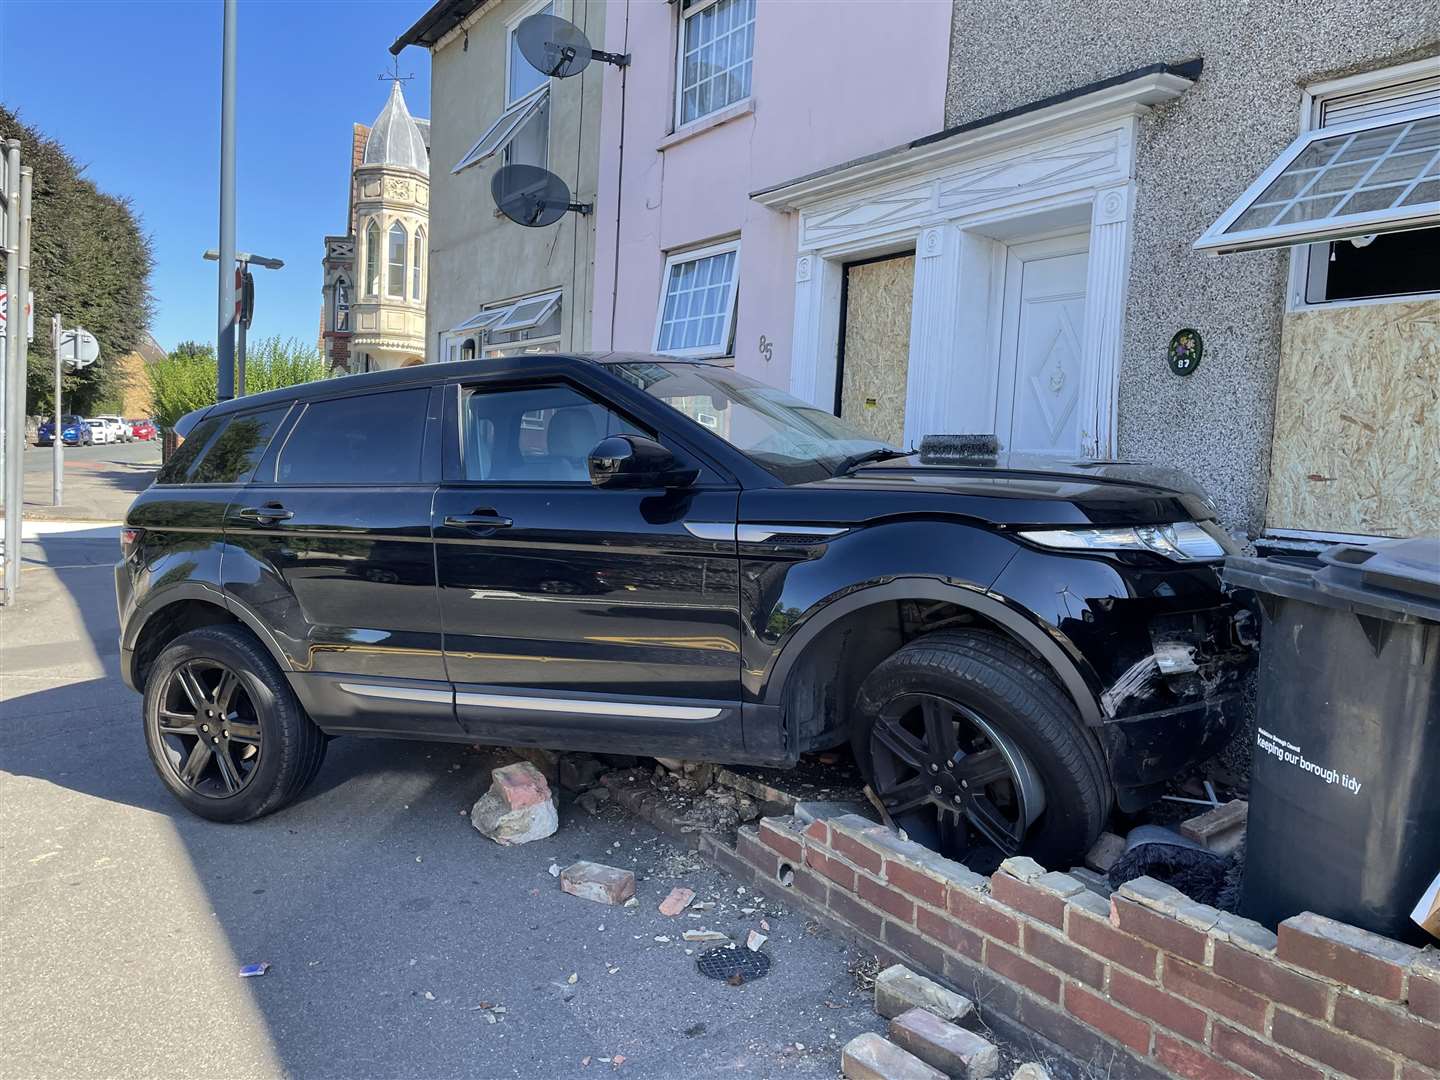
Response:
column 767, row 348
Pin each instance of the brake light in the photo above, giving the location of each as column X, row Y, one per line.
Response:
column 130, row 540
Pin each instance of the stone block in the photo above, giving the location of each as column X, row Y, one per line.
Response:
column 953, row 1050
column 1222, row 829
column 518, row 808
column 869, row 1057
column 1105, row 852
column 598, row 882
column 898, row 990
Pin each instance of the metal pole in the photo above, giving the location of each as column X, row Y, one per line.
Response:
column 225, row 341
column 14, row 371
column 242, row 269
column 57, row 454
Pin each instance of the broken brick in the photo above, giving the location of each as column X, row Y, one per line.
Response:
column 869, row 1057
column 598, row 882
column 678, row 900
column 898, row 990
column 942, row 1045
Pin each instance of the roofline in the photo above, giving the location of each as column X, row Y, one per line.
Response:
column 1141, row 87
column 443, row 16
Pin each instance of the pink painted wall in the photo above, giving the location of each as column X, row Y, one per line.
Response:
column 832, row 80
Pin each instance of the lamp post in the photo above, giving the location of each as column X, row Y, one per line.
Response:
column 244, row 306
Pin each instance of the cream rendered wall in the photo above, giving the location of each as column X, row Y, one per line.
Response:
column 476, row 256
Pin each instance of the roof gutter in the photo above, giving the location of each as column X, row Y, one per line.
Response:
column 443, row 16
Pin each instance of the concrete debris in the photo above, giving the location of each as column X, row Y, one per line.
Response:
column 898, row 990
column 705, row 935
column 869, row 1057
column 518, row 808
column 1220, row 830
column 678, row 900
column 1105, row 852
column 953, row 1050
column 1031, row 1070
column 598, row 882
column 754, row 940
column 547, row 761
column 554, row 869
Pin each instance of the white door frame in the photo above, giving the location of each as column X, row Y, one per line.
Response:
column 957, row 202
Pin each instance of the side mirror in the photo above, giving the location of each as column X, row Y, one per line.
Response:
column 633, row 461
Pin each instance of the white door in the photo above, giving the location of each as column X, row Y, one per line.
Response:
column 1042, row 355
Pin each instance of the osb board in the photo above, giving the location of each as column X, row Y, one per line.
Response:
column 877, row 346
column 1357, row 421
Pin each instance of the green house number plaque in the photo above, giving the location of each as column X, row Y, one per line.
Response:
column 1185, row 351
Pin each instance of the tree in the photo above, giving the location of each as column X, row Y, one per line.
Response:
column 185, row 379
column 90, row 262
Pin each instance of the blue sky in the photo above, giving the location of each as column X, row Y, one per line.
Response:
column 131, row 88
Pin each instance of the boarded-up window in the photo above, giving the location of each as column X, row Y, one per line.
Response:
column 875, row 347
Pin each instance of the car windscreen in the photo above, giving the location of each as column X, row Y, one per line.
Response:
column 784, row 435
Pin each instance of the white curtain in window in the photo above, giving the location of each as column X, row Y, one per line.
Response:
column 395, row 276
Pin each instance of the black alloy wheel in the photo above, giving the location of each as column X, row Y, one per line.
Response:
column 952, row 779
column 208, row 730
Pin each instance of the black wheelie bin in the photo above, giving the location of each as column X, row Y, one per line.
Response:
column 1345, row 786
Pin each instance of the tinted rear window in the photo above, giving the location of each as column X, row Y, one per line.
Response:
column 175, row 469
column 231, row 458
column 371, row 439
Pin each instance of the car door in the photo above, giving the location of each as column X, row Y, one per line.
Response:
column 330, row 544
column 578, row 616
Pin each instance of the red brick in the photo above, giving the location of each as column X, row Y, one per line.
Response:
column 1315, row 943
column 1190, row 1062
column 782, row 841
column 818, row 831
column 831, row 867
column 849, row 910
column 1094, row 1010
column 885, row 898
column 949, row 932
column 920, row 950
column 921, row 886
column 1017, row 969
column 1425, row 996
column 1171, row 935
column 984, row 915
column 1101, row 937
column 1259, row 1057
column 1167, row 1010
column 812, row 885
column 1391, row 1027
column 1325, row 1045
column 1214, row 993
column 1038, row 904
column 856, row 852
column 1268, row 977
column 1077, row 963
column 749, row 847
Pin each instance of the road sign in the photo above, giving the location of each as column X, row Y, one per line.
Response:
column 78, row 348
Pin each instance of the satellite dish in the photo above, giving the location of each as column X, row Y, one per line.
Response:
column 531, row 196
column 558, row 47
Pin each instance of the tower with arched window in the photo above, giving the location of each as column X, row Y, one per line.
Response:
column 378, row 298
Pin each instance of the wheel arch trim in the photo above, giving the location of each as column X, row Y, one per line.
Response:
column 1044, row 640
column 208, row 594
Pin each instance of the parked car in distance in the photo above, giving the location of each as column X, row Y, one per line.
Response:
column 119, row 428
column 554, row 551
column 142, row 429
column 101, row 431
column 73, row 430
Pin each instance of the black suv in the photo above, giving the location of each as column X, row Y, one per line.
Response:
column 641, row 555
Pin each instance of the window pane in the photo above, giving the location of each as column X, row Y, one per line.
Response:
column 716, row 49
column 232, row 458
column 372, row 259
column 523, row 77
column 188, row 452
column 531, row 142
column 374, row 439
column 698, row 296
column 417, row 262
column 535, row 436
column 395, row 281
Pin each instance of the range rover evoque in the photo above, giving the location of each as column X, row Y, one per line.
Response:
column 635, row 554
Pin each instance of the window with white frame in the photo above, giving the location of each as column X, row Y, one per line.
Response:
column 372, row 258
column 697, row 302
column 395, row 264
column 1356, row 196
column 417, row 263
column 507, row 127
column 527, row 324
column 521, row 77
column 716, row 46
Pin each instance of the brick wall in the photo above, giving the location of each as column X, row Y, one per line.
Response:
column 1147, row 983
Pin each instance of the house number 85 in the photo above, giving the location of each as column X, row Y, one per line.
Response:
column 767, row 348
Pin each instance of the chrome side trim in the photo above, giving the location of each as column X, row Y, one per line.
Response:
column 587, row 708
column 758, row 534
column 711, row 530
column 395, row 693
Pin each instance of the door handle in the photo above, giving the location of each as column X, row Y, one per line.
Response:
column 265, row 515
column 478, row 521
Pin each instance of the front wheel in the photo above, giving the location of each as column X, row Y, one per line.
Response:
column 976, row 751
column 223, row 728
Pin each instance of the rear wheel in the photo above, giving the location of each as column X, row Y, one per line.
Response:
column 223, row 728
column 976, row 751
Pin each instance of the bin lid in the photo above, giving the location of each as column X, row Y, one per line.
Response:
column 1392, row 579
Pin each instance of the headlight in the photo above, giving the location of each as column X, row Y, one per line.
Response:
column 1184, row 541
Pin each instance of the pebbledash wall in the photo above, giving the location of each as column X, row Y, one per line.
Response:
column 1145, row 984
column 1192, row 157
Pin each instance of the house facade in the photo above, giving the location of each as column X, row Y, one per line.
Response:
column 500, row 288
column 724, row 98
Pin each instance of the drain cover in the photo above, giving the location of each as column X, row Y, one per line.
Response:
column 730, row 963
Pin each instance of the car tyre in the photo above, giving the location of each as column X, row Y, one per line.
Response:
column 219, row 683
column 1037, row 782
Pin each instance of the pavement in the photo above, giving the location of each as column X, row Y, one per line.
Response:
column 100, row 481
column 388, row 920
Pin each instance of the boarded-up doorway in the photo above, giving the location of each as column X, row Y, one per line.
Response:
column 875, row 345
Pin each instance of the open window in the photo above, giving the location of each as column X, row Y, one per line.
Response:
column 507, row 127
column 697, row 302
column 529, row 324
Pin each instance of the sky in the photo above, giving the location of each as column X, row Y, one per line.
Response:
column 131, row 88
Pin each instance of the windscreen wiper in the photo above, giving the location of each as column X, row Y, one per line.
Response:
column 880, row 453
